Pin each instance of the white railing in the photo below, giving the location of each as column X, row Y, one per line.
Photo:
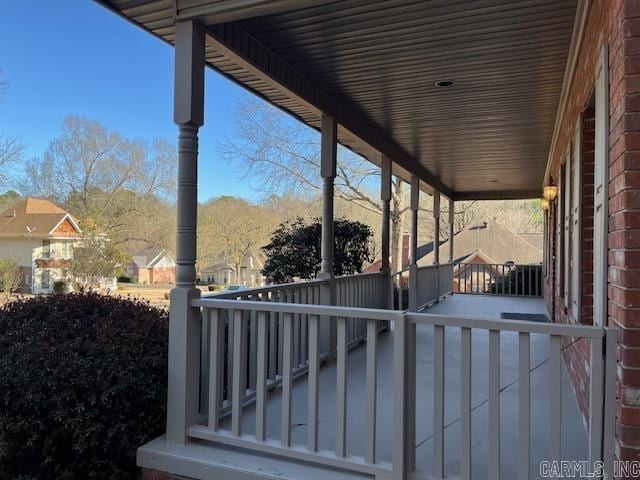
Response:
column 235, row 431
column 351, row 291
column 498, row 279
column 433, row 282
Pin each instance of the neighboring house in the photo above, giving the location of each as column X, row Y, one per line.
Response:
column 223, row 272
column 152, row 266
column 40, row 237
column 489, row 242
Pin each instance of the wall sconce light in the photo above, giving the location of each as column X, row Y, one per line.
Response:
column 544, row 203
column 550, row 191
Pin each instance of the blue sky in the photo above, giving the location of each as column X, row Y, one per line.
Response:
column 75, row 57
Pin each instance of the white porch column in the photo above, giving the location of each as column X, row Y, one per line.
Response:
column 184, row 321
column 385, row 197
column 451, row 230
column 328, row 156
column 413, row 246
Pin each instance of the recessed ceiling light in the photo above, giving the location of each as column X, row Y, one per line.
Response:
column 444, row 83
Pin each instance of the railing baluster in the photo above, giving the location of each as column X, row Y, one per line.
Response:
column 216, row 365
column 438, row 400
column 304, row 322
column 287, row 360
column 524, row 392
column 494, row 404
column 465, row 403
column 314, row 377
column 273, row 344
column 281, row 299
column 261, row 377
column 296, row 330
column 595, row 400
column 239, row 370
column 341, row 388
column 253, row 364
column 229, row 382
column 555, row 401
column 371, row 392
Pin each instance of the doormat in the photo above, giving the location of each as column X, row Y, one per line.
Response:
column 529, row 317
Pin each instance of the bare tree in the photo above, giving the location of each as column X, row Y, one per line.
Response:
column 281, row 155
column 11, row 148
column 113, row 184
column 230, row 228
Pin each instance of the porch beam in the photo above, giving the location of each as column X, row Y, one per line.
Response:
column 231, row 11
column 235, row 43
column 184, row 319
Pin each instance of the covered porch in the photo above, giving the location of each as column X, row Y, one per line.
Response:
column 323, row 379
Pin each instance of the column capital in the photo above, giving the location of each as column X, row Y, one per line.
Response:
column 188, row 106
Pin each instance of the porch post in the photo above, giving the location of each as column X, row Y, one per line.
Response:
column 184, row 321
column 410, row 396
column 385, row 196
column 436, row 240
column 413, row 246
column 451, row 231
column 436, row 227
column 328, row 155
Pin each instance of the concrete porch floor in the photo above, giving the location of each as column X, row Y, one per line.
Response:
column 574, row 438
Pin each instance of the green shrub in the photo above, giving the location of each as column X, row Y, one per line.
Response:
column 59, row 287
column 83, row 384
column 124, row 279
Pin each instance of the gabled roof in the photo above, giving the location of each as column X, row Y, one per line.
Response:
column 149, row 257
column 495, row 241
column 37, row 218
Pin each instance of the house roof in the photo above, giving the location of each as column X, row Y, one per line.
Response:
column 35, row 217
column 494, row 240
column 147, row 258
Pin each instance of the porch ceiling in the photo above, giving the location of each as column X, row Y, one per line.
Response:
column 373, row 64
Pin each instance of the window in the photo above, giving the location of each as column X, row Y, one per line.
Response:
column 576, row 212
column 46, row 248
column 45, row 281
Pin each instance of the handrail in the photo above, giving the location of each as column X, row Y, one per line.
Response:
column 526, row 326
column 322, row 310
column 269, row 288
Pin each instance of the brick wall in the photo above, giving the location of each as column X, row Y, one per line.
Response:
column 617, row 23
column 624, row 221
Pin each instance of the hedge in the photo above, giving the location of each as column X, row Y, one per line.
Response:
column 82, row 385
